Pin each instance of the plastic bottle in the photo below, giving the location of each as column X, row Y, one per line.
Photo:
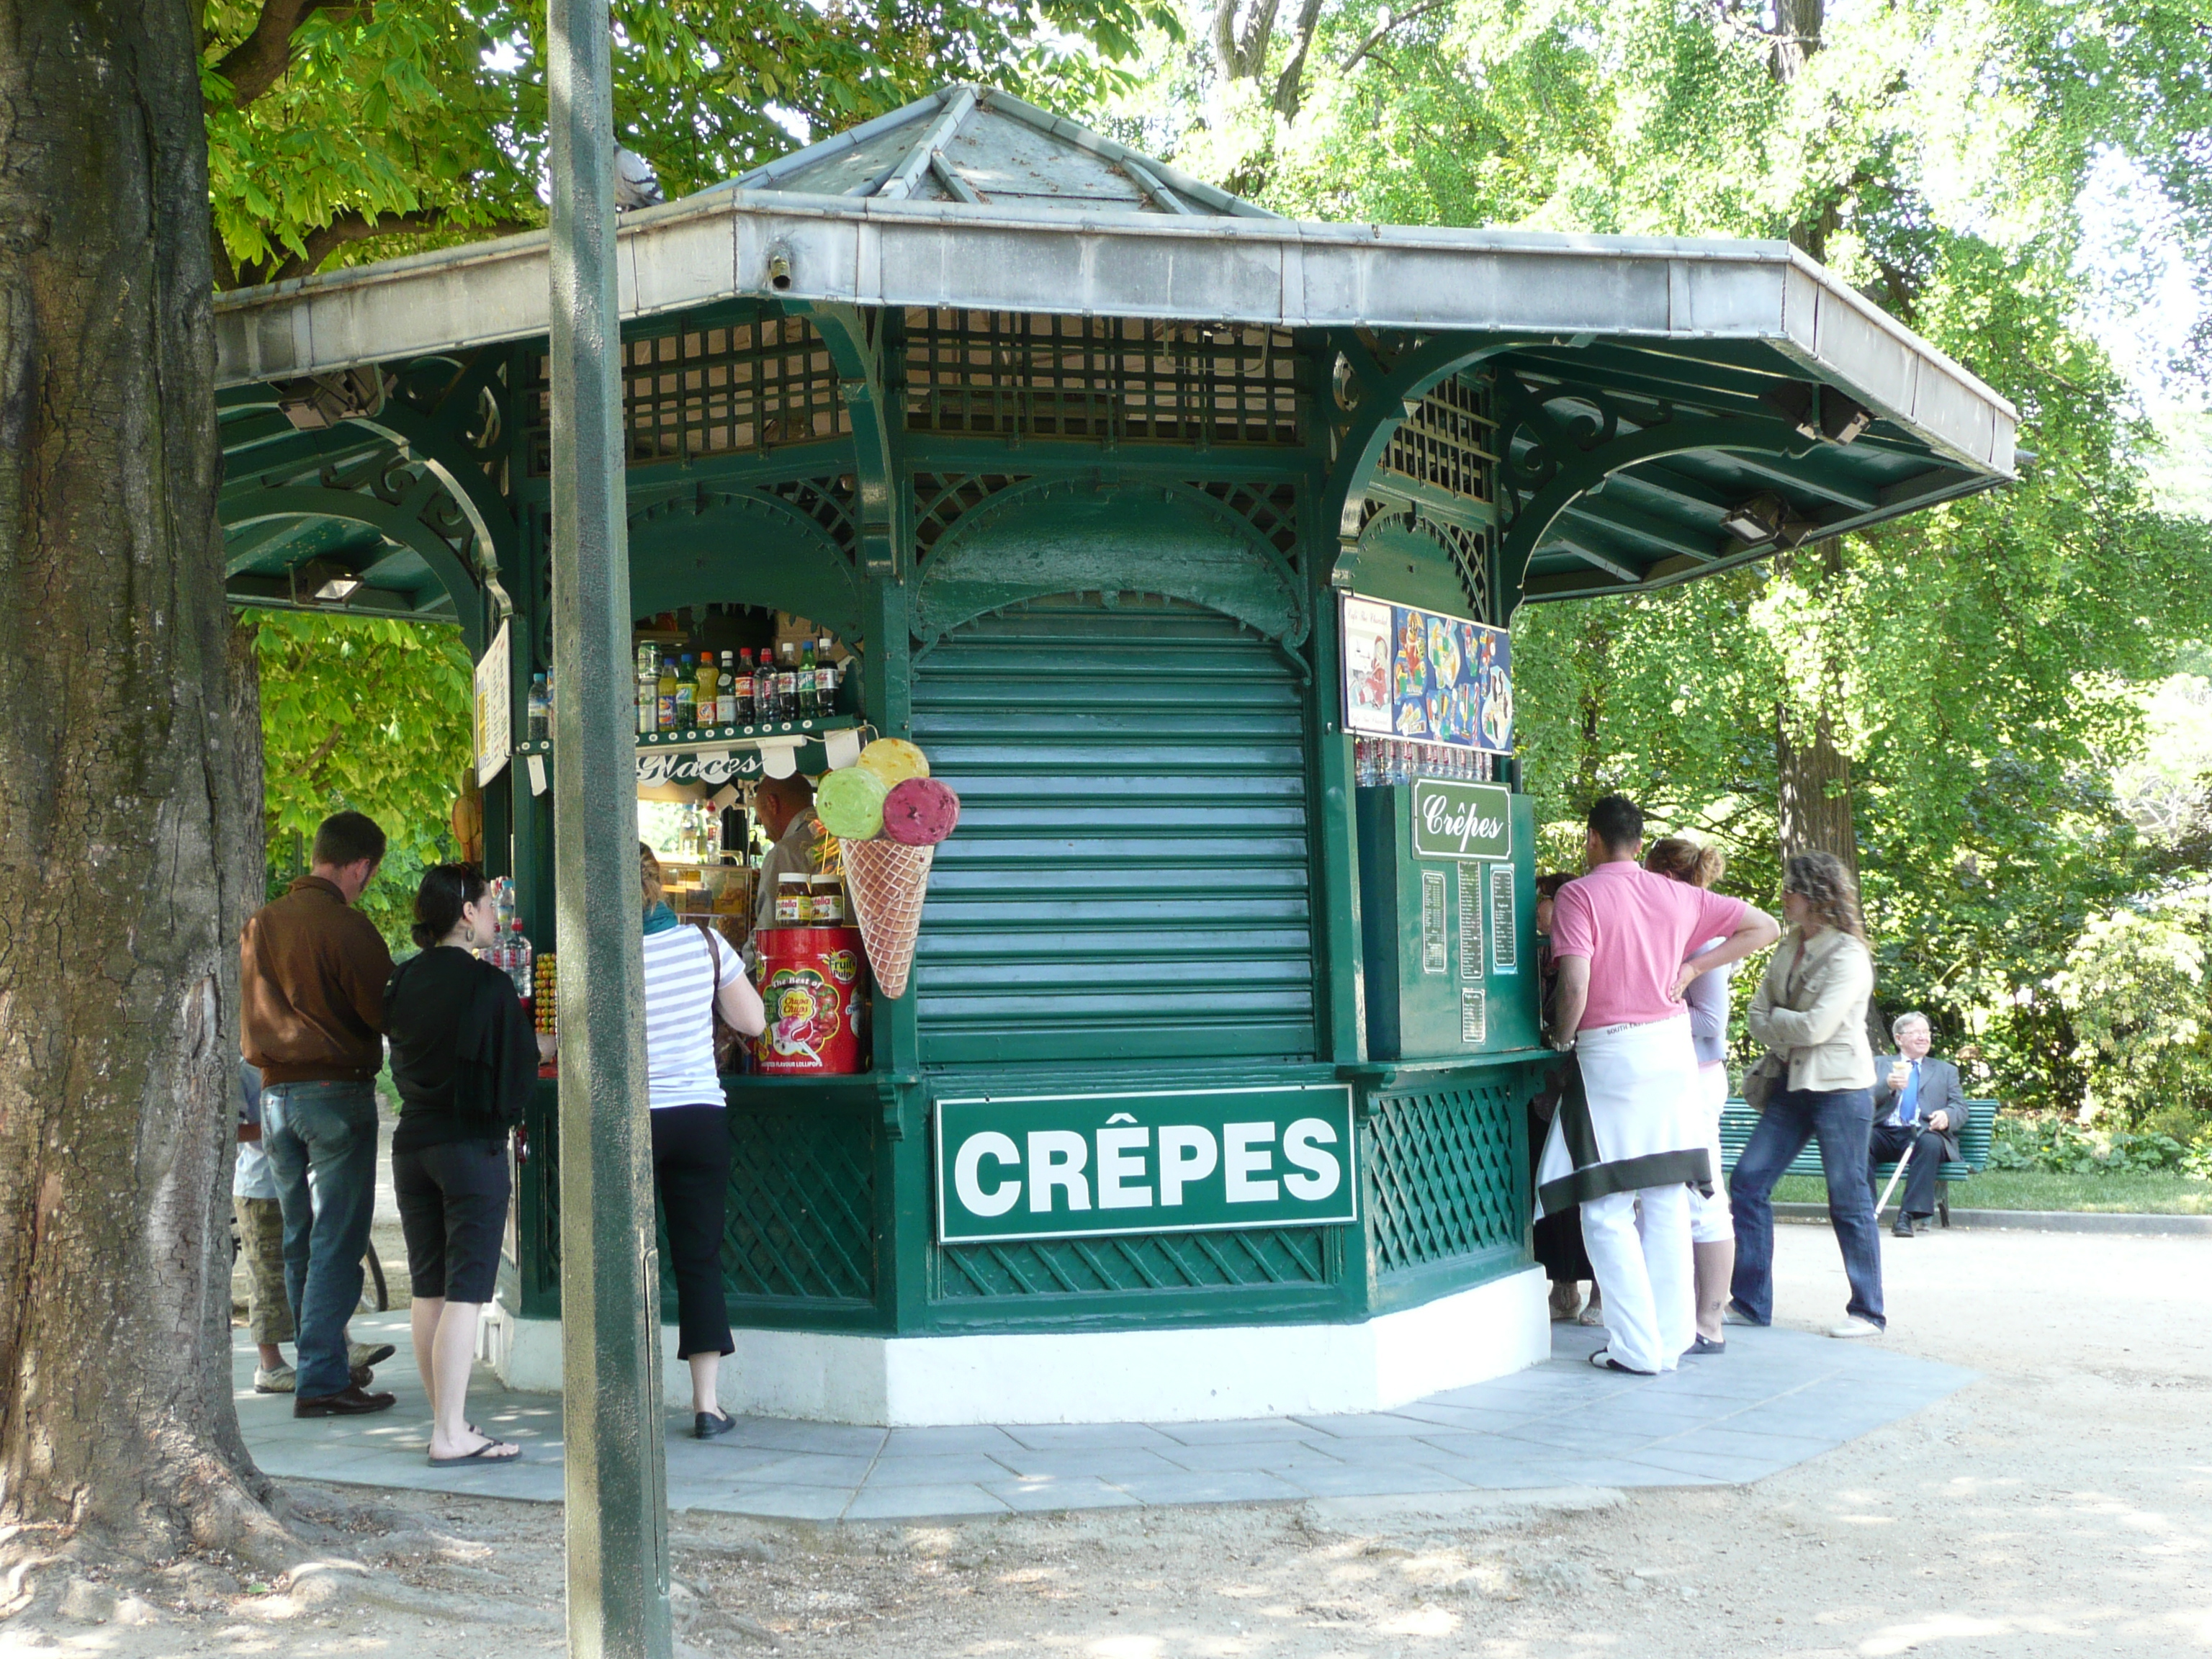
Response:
column 808, row 707
column 706, row 699
column 826, row 677
column 743, row 687
column 725, row 695
column 687, row 694
column 541, row 710
column 664, row 701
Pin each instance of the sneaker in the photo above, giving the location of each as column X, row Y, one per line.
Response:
column 365, row 1356
column 1855, row 1327
column 1733, row 1314
column 278, row 1379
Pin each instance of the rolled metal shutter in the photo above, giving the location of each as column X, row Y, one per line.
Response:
column 1132, row 877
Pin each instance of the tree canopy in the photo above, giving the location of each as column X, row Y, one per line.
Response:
column 1979, row 668
column 337, row 129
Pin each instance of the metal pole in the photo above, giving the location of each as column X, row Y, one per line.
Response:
column 615, row 1472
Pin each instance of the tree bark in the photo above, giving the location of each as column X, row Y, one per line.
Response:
column 129, row 774
column 1814, row 773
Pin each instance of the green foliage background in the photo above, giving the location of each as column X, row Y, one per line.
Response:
column 1985, row 662
column 368, row 714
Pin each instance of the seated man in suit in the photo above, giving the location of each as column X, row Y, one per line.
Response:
column 1917, row 1103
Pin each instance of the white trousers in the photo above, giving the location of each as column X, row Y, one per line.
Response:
column 1640, row 1246
column 1711, row 1221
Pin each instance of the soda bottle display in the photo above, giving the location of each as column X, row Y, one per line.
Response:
column 725, row 695
column 541, row 710
column 744, row 687
column 808, row 707
column 664, row 701
column 787, row 685
column 825, row 678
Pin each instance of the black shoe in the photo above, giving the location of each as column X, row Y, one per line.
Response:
column 362, row 1377
column 1902, row 1227
column 1705, row 1344
column 706, row 1424
column 346, row 1402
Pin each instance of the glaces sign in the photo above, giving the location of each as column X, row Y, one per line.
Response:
column 1061, row 1166
column 1462, row 820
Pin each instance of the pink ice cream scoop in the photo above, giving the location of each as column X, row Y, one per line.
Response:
column 919, row 812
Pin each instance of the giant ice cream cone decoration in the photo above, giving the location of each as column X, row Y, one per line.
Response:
column 888, row 814
column 887, row 882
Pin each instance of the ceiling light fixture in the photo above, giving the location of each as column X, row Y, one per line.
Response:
column 1759, row 519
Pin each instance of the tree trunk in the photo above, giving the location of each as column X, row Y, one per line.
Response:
column 129, row 823
column 1814, row 774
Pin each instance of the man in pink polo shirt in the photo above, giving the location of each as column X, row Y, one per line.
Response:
column 1631, row 1143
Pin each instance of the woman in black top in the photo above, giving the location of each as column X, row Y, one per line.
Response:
column 464, row 1055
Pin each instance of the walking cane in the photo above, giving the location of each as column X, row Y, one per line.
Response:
column 1895, row 1176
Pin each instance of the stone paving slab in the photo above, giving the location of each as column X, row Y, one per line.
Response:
column 1775, row 1400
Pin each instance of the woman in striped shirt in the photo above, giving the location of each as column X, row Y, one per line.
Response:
column 689, row 974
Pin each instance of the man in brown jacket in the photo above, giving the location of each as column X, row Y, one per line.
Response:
column 311, row 974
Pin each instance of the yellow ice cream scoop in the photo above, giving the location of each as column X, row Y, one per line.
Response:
column 894, row 759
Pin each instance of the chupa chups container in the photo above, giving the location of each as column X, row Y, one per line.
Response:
column 809, row 978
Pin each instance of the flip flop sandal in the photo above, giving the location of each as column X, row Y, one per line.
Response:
column 481, row 1455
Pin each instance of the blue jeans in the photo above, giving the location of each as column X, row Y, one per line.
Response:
column 1842, row 1119
column 321, row 1142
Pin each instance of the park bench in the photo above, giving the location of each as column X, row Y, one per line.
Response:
column 1737, row 1120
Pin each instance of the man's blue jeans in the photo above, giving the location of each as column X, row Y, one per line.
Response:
column 321, row 1141
column 1842, row 1119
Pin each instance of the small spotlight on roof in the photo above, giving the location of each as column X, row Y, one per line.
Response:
column 328, row 581
column 1759, row 519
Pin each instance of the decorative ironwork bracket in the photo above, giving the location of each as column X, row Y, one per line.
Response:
column 855, row 342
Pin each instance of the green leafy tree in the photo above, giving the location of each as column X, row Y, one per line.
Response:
column 372, row 714
column 340, row 129
column 1944, row 700
column 2135, row 983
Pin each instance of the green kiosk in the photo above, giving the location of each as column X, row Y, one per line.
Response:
column 1183, row 538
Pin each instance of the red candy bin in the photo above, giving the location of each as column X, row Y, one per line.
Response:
column 809, row 978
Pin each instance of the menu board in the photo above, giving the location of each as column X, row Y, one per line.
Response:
column 1426, row 676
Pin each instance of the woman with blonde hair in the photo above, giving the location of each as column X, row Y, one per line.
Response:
column 1712, row 1232
column 690, row 975
column 1810, row 1013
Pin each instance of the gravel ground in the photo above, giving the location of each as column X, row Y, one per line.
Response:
column 2061, row 1505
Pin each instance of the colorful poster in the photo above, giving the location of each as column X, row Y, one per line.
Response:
column 1426, row 676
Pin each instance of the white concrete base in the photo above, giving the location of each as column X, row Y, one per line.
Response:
column 1096, row 1376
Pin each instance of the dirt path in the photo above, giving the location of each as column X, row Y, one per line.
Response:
column 2062, row 1505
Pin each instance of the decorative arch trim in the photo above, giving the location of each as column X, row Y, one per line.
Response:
column 1063, row 536
column 740, row 547
column 400, row 525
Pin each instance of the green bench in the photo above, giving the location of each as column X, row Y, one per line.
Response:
column 1737, row 1120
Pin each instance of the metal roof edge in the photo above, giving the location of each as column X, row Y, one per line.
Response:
column 1281, row 272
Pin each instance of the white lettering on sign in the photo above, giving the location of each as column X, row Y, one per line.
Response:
column 1440, row 818
column 1056, row 1159
column 1243, row 1155
column 966, row 1173
column 1322, row 1171
column 1119, row 1161
column 1187, row 1154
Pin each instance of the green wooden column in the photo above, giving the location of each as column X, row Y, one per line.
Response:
column 615, row 1475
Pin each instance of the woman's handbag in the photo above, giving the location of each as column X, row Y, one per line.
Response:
column 1764, row 1077
column 730, row 1043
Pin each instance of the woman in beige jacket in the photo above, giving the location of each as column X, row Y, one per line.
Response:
column 1811, row 1009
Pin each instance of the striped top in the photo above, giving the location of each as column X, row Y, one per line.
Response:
column 679, row 1017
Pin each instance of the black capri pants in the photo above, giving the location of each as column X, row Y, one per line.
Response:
column 453, row 1211
column 691, row 1167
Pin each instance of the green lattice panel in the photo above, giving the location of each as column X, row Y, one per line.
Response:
column 802, row 1205
column 1441, row 1171
column 1148, row 1261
